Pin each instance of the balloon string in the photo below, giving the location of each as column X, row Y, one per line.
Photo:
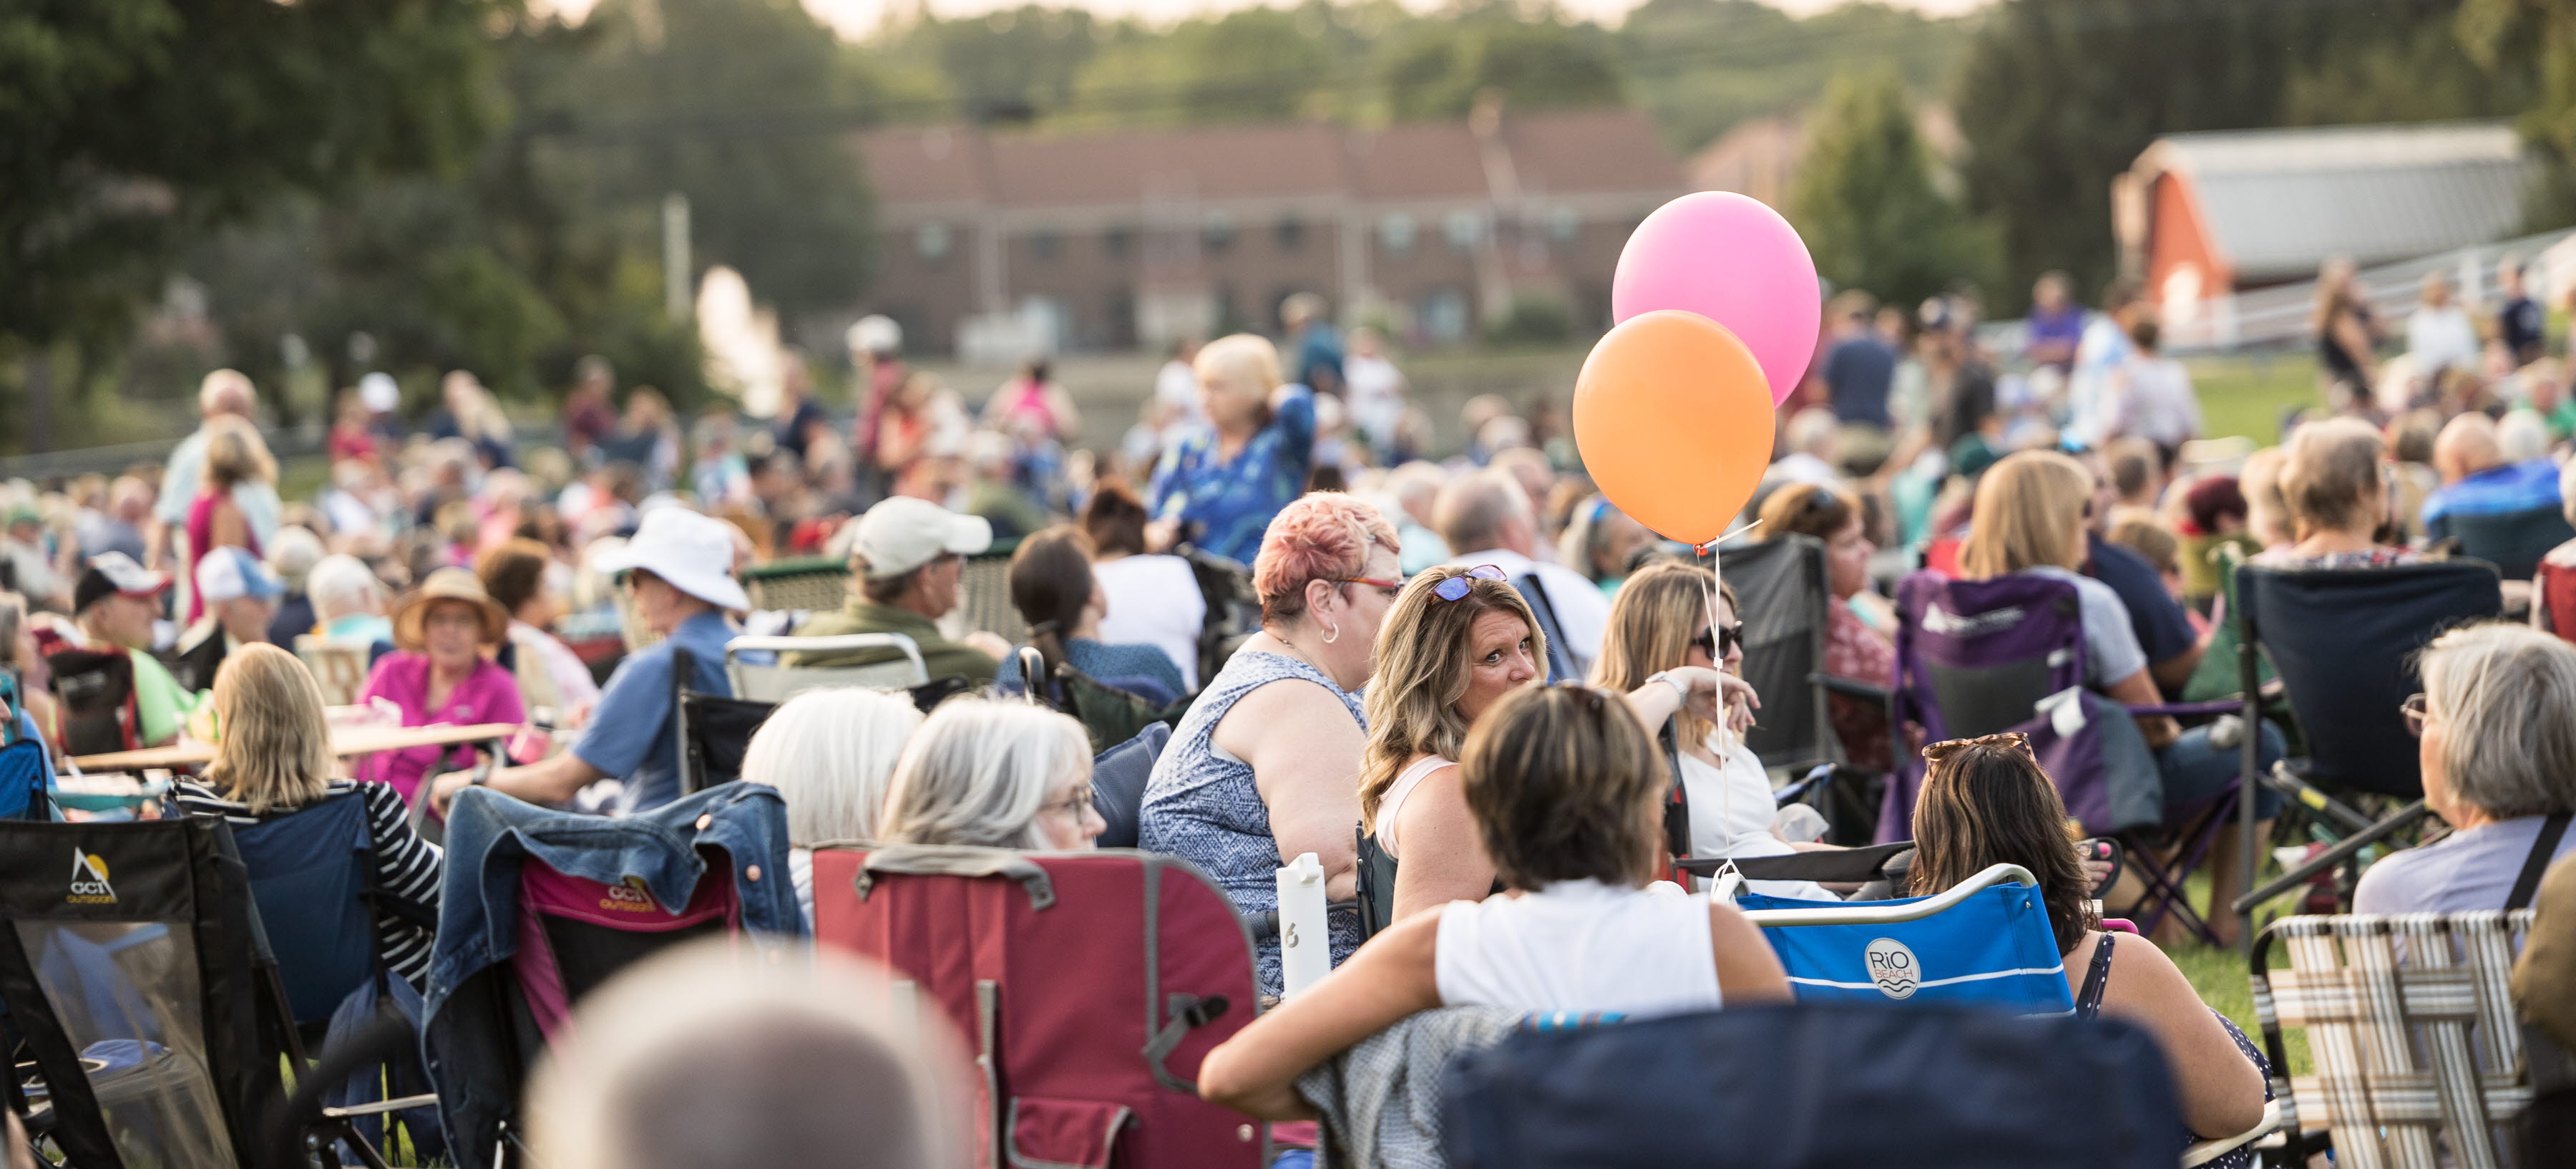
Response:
column 1719, row 731
column 1710, row 548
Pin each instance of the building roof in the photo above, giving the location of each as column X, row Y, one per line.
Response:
column 2276, row 203
column 936, row 168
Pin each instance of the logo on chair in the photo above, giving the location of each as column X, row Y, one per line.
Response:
column 89, row 880
column 629, row 896
column 1892, row 968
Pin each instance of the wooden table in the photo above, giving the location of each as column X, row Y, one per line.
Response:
column 345, row 742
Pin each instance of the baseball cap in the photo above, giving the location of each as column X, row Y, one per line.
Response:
column 111, row 573
column 692, row 552
column 902, row 533
column 226, row 573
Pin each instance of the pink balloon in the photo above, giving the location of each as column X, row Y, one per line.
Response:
column 1728, row 258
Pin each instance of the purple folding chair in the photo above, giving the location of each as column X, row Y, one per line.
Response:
column 1988, row 656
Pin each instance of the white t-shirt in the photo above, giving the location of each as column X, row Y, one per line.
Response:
column 2441, row 338
column 2157, row 402
column 1155, row 601
column 1582, row 609
column 1578, row 946
column 1731, row 810
column 2111, row 650
column 1375, row 390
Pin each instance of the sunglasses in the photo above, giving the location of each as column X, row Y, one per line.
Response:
column 2416, row 708
column 2009, row 740
column 1719, row 641
column 1455, row 588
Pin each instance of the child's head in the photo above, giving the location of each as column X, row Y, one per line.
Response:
column 1564, row 784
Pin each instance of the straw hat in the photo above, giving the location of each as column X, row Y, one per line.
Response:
column 447, row 584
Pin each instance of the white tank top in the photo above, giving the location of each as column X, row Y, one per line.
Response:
column 1393, row 801
column 1578, row 946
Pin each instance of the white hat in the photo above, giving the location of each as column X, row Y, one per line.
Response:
column 902, row 533
column 378, row 392
column 693, row 552
column 874, row 334
column 226, row 573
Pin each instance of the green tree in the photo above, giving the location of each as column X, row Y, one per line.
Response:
column 1252, row 64
column 1439, row 69
column 1011, row 65
column 1866, row 203
column 2535, row 39
column 1703, row 66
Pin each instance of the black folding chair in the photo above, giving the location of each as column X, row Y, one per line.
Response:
column 2343, row 642
column 2513, row 541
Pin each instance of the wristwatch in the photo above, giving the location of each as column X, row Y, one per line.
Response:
column 1680, row 689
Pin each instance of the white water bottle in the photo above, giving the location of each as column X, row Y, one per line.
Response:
column 1305, row 943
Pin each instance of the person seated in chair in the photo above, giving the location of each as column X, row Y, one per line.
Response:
column 1053, row 587
column 239, row 596
column 114, row 606
column 2032, row 517
column 830, row 754
column 439, row 674
column 1458, row 640
column 274, row 759
column 349, row 605
column 2332, row 478
column 1986, row 802
column 679, row 571
column 2477, row 479
column 907, row 558
column 2498, row 751
column 1566, row 794
column 995, row 774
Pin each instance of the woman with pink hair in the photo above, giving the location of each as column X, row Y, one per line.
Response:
column 1265, row 766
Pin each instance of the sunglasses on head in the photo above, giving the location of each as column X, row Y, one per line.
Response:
column 1455, row 588
column 1718, row 641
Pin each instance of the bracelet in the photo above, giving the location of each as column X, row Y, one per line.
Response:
column 1680, row 690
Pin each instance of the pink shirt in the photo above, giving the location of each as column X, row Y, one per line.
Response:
column 488, row 695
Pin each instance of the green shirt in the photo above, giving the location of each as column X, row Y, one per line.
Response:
column 945, row 658
column 159, row 700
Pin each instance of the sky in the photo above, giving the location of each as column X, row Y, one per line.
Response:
column 855, row 17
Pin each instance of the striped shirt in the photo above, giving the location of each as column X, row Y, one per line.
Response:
column 406, row 865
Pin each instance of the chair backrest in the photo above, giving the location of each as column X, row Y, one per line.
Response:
column 1985, row 943
column 1561, row 666
column 770, row 682
column 1972, row 656
column 2343, row 641
column 808, row 582
column 1781, row 583
column 341, row 670
column 1817, row 1084
column 2513, row 541
column 1109, row 715
column 1118, row 778
column 715, row 733
column 309, row 874
column 96, row 688
column 2554, row 586
column 1233, row 607
column 575, row 932
column 1087, row 1063
column 984, row 593
column 2411, row 1022
column 128, row 960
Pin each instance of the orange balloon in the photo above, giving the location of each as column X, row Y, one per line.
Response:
column 1673, row 418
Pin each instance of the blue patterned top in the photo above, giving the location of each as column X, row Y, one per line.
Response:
column 1203, row 807
column 1229, row 504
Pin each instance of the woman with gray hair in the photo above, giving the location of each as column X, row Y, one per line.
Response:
column 2497, row 721
column 830, row 754
column 995, row 774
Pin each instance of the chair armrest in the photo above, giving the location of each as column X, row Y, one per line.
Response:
column 1847, row 687
column 2200, row 1153
column 2187, row 709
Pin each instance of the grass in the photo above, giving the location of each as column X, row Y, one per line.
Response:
column 2247, row 394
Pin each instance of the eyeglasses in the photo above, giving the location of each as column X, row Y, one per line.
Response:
column 1370, row 581
column 1455, row 588
column 2417, row 709
column 1719, row 641
column 2009, row 740
column 1071, row 807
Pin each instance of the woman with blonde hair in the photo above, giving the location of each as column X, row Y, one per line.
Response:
column 1456, row 641
column 994, row 774
column 273, row 759
column 2031, row 513
column 235, row 457
column 831, row 754
column 2334, row 478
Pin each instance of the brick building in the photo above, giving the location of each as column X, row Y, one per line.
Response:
column 998, row 242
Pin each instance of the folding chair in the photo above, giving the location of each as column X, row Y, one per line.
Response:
column 811, row 583
column 1087, row 1063
column 1984, row 942
column 2553, row 599
column 313, row 876
column 1118, row 778
column 2343, row 642
column 1785, row 594
column 1233, row 607
column 2419, row 1060
column 2513, row 541
column 2007, row 654
column 1818, row 1083
column 341, row 670
column 96, row 688
column 984, row 593
column 539, row 907
column 895, row 663
column 137, row 983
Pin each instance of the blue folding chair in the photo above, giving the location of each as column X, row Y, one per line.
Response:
column 1985, row 942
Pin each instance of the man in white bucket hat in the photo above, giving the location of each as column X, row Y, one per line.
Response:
column 678, row 575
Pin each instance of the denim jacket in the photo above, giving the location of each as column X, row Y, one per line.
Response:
column 473, row 1060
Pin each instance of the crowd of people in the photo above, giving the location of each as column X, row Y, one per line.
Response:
column 1452, row 692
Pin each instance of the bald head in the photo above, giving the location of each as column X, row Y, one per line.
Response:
column 226, row 392
column 2466, row 446
column 1486, row 510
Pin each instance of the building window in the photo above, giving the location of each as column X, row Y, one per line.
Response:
column 1396, row 233
column 1563, row 224
column 1441, row 315
column 932, row 241
column 1043, row 243
column 1117, row 241
column 1465, row 230
column 1219, row 233
column 1292, row 233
